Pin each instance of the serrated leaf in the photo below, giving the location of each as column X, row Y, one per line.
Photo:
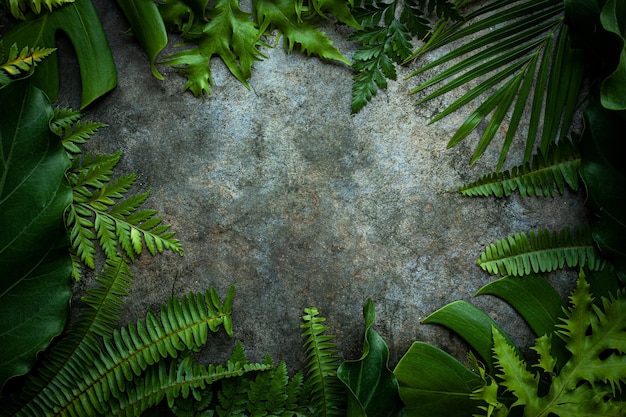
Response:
column 35, row 287
column 230, row 35
column 23, row 63
column 80, row 22
column 282, row 15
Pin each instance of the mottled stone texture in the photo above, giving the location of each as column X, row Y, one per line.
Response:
column 280, row 191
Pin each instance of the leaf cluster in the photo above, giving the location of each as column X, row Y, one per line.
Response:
column 19, row 7
column 386, row 40
column 226, row 31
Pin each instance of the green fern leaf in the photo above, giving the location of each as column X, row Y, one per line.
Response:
column 326, row 391
column 382, row 46
column 20, row 63
column 97, row 318
column 541, row 251
column 101, row 212
column 283, row 15
column 85, row 385
column 67, row 125
column 18, row 7
column 545, row 175
column 231, row 36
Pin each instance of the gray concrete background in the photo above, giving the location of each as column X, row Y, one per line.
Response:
column 280, row 191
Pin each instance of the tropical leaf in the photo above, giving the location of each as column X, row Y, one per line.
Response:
column 66, row 124
column 525, row 64
column 605, row 179
column 541, row 251
column 588, row 383
column 435, row 384
column 147, row 25
column 19, row 7
column 101, row 212
column 18, row 63
column 283, row 16
column 372, row 387
column 545, row 175
column 96, row 373
column 80, row 22
column 613, row 19
column 327, row 395
column 35, row 286
column 230, row 35
column 469, row 322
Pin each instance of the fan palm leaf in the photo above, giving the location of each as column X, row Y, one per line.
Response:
column 519, row 54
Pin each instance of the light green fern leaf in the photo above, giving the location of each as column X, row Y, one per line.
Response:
column 324, row 388
column 19, row 7
column 541, row 251
column 545, row 175
column 101, row 212
column 67, row 125
column 591, row 381
column 20, row 63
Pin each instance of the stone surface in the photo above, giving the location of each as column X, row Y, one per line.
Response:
column 280, row 191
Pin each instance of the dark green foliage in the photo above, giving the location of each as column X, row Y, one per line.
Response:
column 541, row 251
column 35, row 285
column 526, row 58
column 386, row 39
column 543, row 176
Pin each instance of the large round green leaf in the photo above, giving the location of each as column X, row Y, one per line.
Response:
column 35, row 268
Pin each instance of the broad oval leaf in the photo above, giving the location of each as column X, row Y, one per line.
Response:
column 372, row 387
column 435, row 384
column 35, row 286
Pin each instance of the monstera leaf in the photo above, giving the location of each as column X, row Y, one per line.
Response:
column 81, row 24
column 34, row 260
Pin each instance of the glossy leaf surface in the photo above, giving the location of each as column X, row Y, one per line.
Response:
column 372, row 387
column 435, row 384
column 35, row 285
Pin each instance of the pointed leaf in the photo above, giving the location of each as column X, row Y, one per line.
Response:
column 434, row 384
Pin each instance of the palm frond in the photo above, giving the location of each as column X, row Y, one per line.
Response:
column 95, row 373
column 325, row 390
column 545, row 175
column 541, row 251
column 524, row 63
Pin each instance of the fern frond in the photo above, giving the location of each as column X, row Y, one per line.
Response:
column 97, row 318
column 177, row 380
column 85, row 385
column 19, row 7
column 67, row 125
column 541, row 251
column 99, row 211
column 20, row 63
column 325, row 390
column 590, row 382
column 545, row 175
